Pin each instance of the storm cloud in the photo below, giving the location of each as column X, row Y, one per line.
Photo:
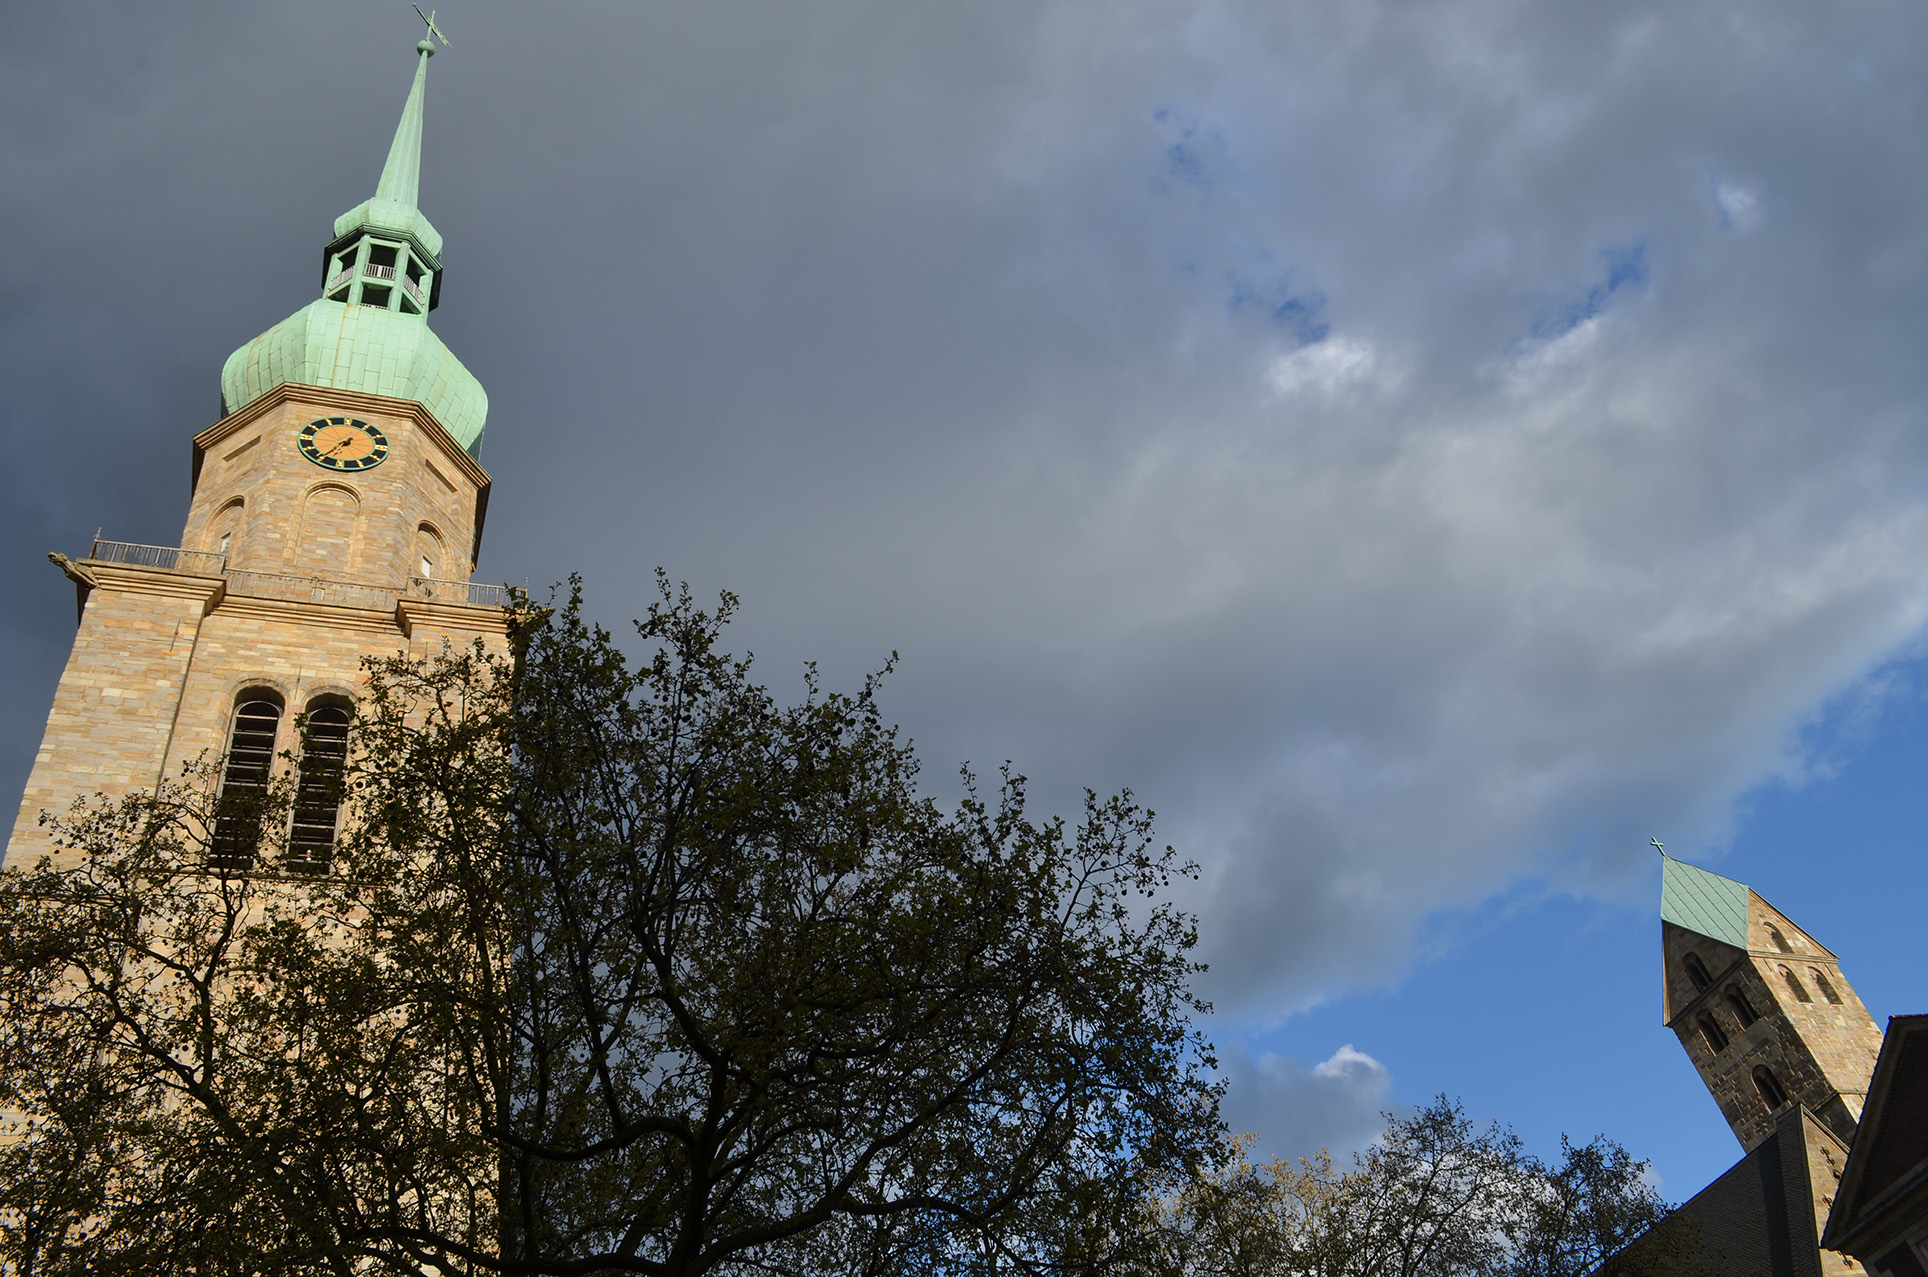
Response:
column 1417, row 449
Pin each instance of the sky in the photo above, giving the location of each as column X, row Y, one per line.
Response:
column 1423, row 451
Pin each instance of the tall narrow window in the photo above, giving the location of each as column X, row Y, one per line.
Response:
column 324, row 749
column 428, row 549
column 1742, row 1007
column 1821, row 983
column 1771, row 1092
column 1710, row 1031
column 244, row 785
column 1696, row 970
column 227, row 521
column 1780, row 941
column 1794, row 985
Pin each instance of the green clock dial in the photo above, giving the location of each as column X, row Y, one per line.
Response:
column 342, row 443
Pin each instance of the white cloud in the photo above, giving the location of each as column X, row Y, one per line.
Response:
column 1338, row 1104
column 1327, row 367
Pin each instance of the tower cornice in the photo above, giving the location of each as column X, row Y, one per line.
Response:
column 350, row 401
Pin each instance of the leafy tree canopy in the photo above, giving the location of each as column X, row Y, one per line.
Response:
column 620, row 967
column 1433, row 1196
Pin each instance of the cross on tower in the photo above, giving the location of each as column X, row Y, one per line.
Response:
column 433, row 30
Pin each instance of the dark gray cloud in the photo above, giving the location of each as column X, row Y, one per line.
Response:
column 1412, row 446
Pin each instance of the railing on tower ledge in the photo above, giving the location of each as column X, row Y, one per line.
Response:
column 310, row 589
column 199, row 562
column 471, row 593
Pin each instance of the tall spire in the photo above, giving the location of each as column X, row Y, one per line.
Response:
column 402, row 174
column 381, row 275
column 394, row 208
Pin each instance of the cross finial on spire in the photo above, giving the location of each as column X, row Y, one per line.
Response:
column 1658, row 846
column 429, row 19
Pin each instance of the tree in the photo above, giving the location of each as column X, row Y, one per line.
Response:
column 1433, row 1196
column 1596, row 1212
column 619, row 967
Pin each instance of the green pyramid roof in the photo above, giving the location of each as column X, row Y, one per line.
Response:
column 1703, row 902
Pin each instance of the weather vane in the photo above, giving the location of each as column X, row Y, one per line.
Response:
column 433, row 30
column 1659, row 846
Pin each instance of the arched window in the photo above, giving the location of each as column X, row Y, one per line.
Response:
column 1821, row 983
column 1771, row 1092
column 1794, row 985
column 227, row 522
column 1742, row 1007
column 244, row 782
column 1780, row 941
column 1710, row 1031
column 1696, row 970
column 429, row 558
column 324, row 749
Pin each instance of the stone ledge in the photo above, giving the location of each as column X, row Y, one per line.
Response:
column 295, row 611
column 416, row 614
column 128, row 579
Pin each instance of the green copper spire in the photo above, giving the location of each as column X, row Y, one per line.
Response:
column 402, row 175
column 381, row 275
column 393, row 208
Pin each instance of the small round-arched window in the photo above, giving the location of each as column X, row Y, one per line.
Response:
column 1821, row 983
column 1770, row 1088
column 1780, row 941
column 1696, row 970
column 1794, row 985
column 1742, row 1007
column 227, row 524
column 431, row 561
column 1710, row 1032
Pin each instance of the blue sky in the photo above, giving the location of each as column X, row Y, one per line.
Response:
column 1423, row 451
column 1545, row 1012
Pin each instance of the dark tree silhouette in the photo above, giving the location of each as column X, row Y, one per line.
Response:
column 619, row 967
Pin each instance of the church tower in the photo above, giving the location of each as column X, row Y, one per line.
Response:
column 1761, row 1008
column 335, row 512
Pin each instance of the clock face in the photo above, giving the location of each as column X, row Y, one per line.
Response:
column 342, row 443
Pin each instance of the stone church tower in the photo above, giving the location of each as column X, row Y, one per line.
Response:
column 1787, row 1050
column 1761, row 1008
column 335, row 512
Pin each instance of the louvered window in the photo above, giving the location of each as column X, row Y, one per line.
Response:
column 244, row 786
column 324, row 751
